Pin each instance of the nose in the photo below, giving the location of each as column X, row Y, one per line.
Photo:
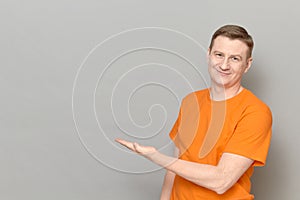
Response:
column 224, row 65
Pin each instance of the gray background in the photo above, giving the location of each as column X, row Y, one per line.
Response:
column 43, row 45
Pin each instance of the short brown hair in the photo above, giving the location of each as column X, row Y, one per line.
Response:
column 234, row 32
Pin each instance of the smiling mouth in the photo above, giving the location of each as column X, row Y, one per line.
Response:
column 223, row 73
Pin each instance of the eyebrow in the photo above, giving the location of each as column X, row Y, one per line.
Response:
column 237, row 55
column 234, row 55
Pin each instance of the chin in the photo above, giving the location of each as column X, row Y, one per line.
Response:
column 219, row 82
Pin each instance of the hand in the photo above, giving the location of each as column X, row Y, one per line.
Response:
column 149, row 152
column 146, row 151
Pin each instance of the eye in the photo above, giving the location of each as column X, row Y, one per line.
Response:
column 218, row 55
column 236, row 59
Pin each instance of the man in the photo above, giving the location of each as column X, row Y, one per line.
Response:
column 221, row 132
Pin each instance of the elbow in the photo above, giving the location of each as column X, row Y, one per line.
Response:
column 221, row 190
column 223, row 182
column 223, row 186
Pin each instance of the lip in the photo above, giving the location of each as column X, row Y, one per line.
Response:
column 223, row 73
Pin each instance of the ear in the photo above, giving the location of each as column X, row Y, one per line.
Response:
column 207, row 54
column 249, row 63
column 208, row 51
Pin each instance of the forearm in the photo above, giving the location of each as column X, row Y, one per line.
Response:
column 208, row 176
column 167, row 185
column 217, row 178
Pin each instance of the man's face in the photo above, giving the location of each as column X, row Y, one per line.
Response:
column 227, row 62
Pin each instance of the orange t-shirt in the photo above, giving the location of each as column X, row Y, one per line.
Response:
column 205, row 129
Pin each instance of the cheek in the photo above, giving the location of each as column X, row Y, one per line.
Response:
column 239, row 72
column 212, row 63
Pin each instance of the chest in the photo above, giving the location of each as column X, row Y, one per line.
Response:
column 204, row 131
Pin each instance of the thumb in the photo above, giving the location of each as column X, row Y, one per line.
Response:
column 137, row 147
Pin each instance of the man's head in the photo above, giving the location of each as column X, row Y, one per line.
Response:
column 229, row 56
column 234, row 32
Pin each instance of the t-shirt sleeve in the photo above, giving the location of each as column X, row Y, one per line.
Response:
column 174, row 130
column 252, row 135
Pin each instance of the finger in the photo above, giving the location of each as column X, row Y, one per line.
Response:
column 125, row 143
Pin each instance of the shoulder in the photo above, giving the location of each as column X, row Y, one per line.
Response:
column 200, row 94
column 192, row 100
column 253, row 101
column 253, row 105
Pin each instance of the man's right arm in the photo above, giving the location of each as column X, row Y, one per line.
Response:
column 168, row 181
column 167, row 185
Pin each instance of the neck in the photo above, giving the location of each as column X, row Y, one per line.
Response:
column 222, row 93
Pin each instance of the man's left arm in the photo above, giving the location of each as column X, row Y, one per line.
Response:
column 216, row 178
